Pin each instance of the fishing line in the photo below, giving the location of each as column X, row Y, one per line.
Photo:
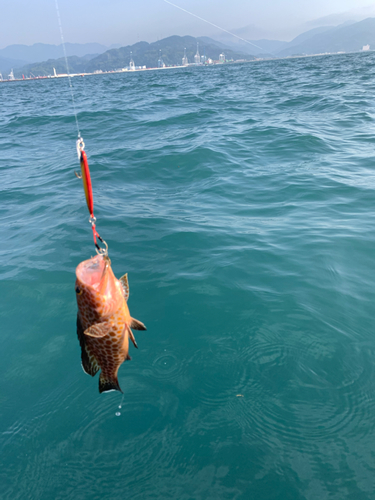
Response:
column 67, row 66
column 118, row 413
column 85, row 171
column 218, row 27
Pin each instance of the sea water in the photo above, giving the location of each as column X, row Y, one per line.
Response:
column 240, row 201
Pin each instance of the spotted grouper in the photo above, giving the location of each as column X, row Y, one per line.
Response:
column 103, row 323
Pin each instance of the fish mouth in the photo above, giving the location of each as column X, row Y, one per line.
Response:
column 91, row 272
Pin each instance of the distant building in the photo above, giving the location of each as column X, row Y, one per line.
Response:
column 366, row 47
column 222, row 57
column 185, row 61
column 131, row 64
column 197, row 57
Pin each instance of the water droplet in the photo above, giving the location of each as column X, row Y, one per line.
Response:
column 120, row 407
column 118, row 413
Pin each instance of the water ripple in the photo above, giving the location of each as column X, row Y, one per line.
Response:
column 239, row 198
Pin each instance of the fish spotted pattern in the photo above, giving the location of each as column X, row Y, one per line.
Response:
column 103, row 322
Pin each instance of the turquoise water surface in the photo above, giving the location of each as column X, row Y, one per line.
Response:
column 240, row 201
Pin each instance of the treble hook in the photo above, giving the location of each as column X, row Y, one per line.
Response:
column 99, row 250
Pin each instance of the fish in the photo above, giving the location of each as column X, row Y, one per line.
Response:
column 104, row 324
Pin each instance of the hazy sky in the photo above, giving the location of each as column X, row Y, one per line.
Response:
column 126, row 22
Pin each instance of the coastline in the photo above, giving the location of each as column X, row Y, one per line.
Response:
column 100, row 72
column 138, row 70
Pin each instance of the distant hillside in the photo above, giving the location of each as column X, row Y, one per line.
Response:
column 16, row 56
column 270, row 48
column 87, row 58
column 309, row 34
column 172, row 51
column 6, row 64
column 146, row 54
column 347, row 38
column 76, row 65
column 256, row 47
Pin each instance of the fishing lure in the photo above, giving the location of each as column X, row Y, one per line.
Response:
column 87, row 186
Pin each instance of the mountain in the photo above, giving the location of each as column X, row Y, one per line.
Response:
column 6, row 64
column 261, row 48
column 309, row 34
column 254, row 46
column 264, row 47
column 15, row 56
column 205, row 40
column 343, row 38
column 350, row 17
column 171, row 50
column 347, row 37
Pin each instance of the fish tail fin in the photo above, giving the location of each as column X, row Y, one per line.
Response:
column 108, row 383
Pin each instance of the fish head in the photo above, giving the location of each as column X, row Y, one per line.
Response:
column 99, row 293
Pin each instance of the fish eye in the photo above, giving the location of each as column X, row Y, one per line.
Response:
column 78, row 290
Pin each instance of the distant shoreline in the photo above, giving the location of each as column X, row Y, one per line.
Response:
column 139, row 70
column 71, row 75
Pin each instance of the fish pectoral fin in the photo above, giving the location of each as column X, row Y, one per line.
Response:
column 137, row 325
column 131, row 335
column 125, row 286
column 98, row 331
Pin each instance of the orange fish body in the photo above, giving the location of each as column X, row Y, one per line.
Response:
column 103, row 322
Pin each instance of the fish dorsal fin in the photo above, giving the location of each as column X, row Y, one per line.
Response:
column 98, row 331
column 137, row 325
column 125, row 286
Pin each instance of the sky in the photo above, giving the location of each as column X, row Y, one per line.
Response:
column 125, row 22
